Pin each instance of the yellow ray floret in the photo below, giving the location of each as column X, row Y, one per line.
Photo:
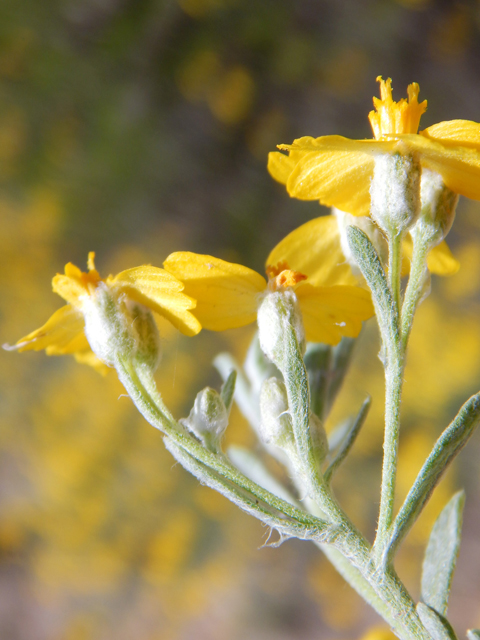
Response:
column 150, row 286
column 337, row 171
column 228, row 295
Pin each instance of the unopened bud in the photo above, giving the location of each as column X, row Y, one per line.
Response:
column 438, row 209
column 279, row 315
column 395, row 192
column 146, row 337
column 276, row 423
column 256, row 365
column 208, row 418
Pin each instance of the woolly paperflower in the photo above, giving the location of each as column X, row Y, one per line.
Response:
column 338, row 171
column 151, row 287
column 228, row 294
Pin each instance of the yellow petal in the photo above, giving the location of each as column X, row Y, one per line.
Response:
column 463, row 133
column 330, row 313
column 62, row 333
column 336, row 171
column 458, row 166
column 280, row 166
column 226, row 293
column 88, row 357
column 440, row 260
column 161, row 292
column 314, row 250
column 69, row 286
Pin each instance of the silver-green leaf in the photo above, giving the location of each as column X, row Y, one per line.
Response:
column 441, row 554
column 473, row 634
column 436, row 625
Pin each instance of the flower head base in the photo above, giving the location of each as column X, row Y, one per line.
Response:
column 105, row 319
column 391, row 118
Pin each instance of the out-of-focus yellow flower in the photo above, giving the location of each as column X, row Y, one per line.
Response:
column 152, row 287
column 228, row 294
column 378, row 633
column 338, row 171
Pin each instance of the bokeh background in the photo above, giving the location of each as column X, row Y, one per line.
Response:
column 139, row 127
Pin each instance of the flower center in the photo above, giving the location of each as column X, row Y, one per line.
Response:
column 281, row 277
column 391, row 118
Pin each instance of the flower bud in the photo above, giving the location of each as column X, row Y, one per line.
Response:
column 256, row 365
column 107, row 327
column 276, row 423
column 208, row 418
column 395, row 192
column 438, row 209
column 278, row 315
column 146, row 337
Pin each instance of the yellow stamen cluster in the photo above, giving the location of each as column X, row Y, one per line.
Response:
column 391, row 118
column 281, row 277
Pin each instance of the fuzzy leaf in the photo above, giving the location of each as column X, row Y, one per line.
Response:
column 255, row 470
column 369, row 263
column 441, row 555
column 318, row 362
column 447, row 447
column 348, row 440
column 228, row 390
column 438, row 627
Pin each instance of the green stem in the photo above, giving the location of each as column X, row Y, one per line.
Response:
column 394, row 367
column 416, row 281
column 352, row 557
column 149, row 403
column 393, row 394
column 395, row 267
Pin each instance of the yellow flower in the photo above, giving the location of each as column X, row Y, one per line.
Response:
column 228, row 294
column 338, row 171
column 64, row 331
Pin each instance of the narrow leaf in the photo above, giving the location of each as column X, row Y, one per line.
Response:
column 374, row 273
column 342, row 354
column 255, row 470
column 441, row 555
column 318, row 359
column 348, row 441
column 448, row 445
column 228, row 389
column 436, row 625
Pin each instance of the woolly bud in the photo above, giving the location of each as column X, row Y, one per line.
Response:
column 395, row 192
column 256, row 366
column 146, row 336
column 278, row 314
column 438, row 209
column 276, row 423
column 208, row 418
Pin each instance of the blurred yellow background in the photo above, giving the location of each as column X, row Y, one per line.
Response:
column 135, row 128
